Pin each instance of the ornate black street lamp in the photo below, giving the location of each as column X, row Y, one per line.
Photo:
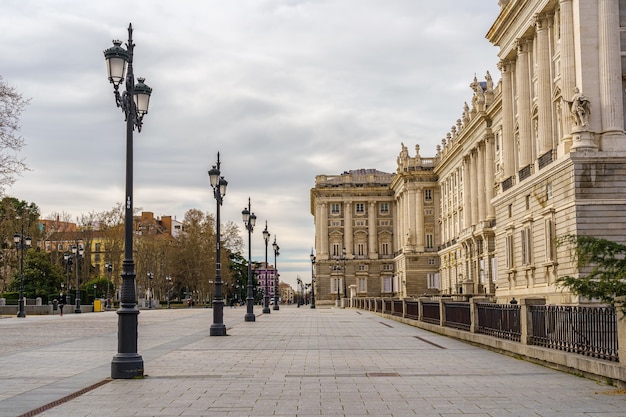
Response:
column 266, row 296
column 134, row 103
column 169, row 289
column 343, row 258
column 218, row 183
column 109, row 268
column 299, row 292
column 312, row 279
column 21, row 242
column 249, row 220
column 276, row 276
column 68, row 268
column 78, row 252
column 150, row 278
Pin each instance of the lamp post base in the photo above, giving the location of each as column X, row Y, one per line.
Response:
column 275, row 307
column 250, row 317
column 126, row 366
column 217, row 329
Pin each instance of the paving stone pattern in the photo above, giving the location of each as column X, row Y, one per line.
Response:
column 292, row 362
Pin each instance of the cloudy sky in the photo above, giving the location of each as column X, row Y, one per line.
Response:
column 284, row 89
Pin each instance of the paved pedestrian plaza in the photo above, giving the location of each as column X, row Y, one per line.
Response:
column 292, row 362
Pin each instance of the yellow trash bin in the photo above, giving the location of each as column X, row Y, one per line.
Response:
column 97, row 305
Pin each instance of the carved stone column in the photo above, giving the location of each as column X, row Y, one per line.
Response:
column 610, row 76
column 419, row 219
column 347, row 229
column 489, row 170
column 371, row 231
column 568, row 71
column 323, row 227
column 544, row 96
column 523, row 104
column 467, row 206
column 480, row 174
column 508, row 139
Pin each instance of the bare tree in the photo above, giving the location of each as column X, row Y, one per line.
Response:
column 11, row 106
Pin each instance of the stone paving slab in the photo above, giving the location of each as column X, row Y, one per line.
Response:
column 291, row 362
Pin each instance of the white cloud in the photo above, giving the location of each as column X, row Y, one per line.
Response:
column 284, row 89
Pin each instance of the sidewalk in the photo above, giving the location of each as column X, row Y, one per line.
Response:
column 292, row 362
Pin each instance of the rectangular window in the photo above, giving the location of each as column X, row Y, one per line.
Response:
column 510, row 210
column 384, row 248
column 429, row 240
column 360, row 208
column 362, row 283
column 509, row 251
column 431, row 261
column 336, row 249
column 433, row 281
column 549, row 191
column 336, row 286
column 360, row 248
column 526, row 243
column 528, row 202
column 428, row 194
column 550, row 241
column 334, row 208
column 60, row 247
column 387, row 287
column 384, row 208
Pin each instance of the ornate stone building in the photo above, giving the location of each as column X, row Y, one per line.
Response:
column 539, row 155
column 416, row 233
column 353, row 215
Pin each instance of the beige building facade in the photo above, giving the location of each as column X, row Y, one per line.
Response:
column 538, row 155
column 354, row 246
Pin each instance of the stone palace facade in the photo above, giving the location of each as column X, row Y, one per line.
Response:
column 537, row 155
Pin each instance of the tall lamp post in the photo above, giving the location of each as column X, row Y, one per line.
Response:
column 266, row 296
column 312, row 279
column 276, row 276
column 109, row 268
column 299, row 301
column 21, row 242
column 150, row 278
column 343, row 258
column 127, row 363
column 78, row 254
column 218, row 183
column 169, row 289
column 68, row 266
column 249, row 220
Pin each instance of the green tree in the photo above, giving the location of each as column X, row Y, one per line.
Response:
column 41, row 276
column 602, row 266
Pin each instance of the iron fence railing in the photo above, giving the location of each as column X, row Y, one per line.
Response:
column 499, row 320
column 589, row 331
column 457, row 315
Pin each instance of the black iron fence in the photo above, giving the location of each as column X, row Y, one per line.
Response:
column 589, row 331
column 499, row 320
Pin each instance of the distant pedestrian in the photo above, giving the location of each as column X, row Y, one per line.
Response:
column 61, row 307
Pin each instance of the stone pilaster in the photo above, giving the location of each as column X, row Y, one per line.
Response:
column 508, row 139
column 544, row 95
column 372, row 246
column 612, row 132
column 523, row 104
column 568, row 71
column 347, row 227
column 480, row 168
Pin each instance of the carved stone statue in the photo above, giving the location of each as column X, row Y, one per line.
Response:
column 580, row 107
